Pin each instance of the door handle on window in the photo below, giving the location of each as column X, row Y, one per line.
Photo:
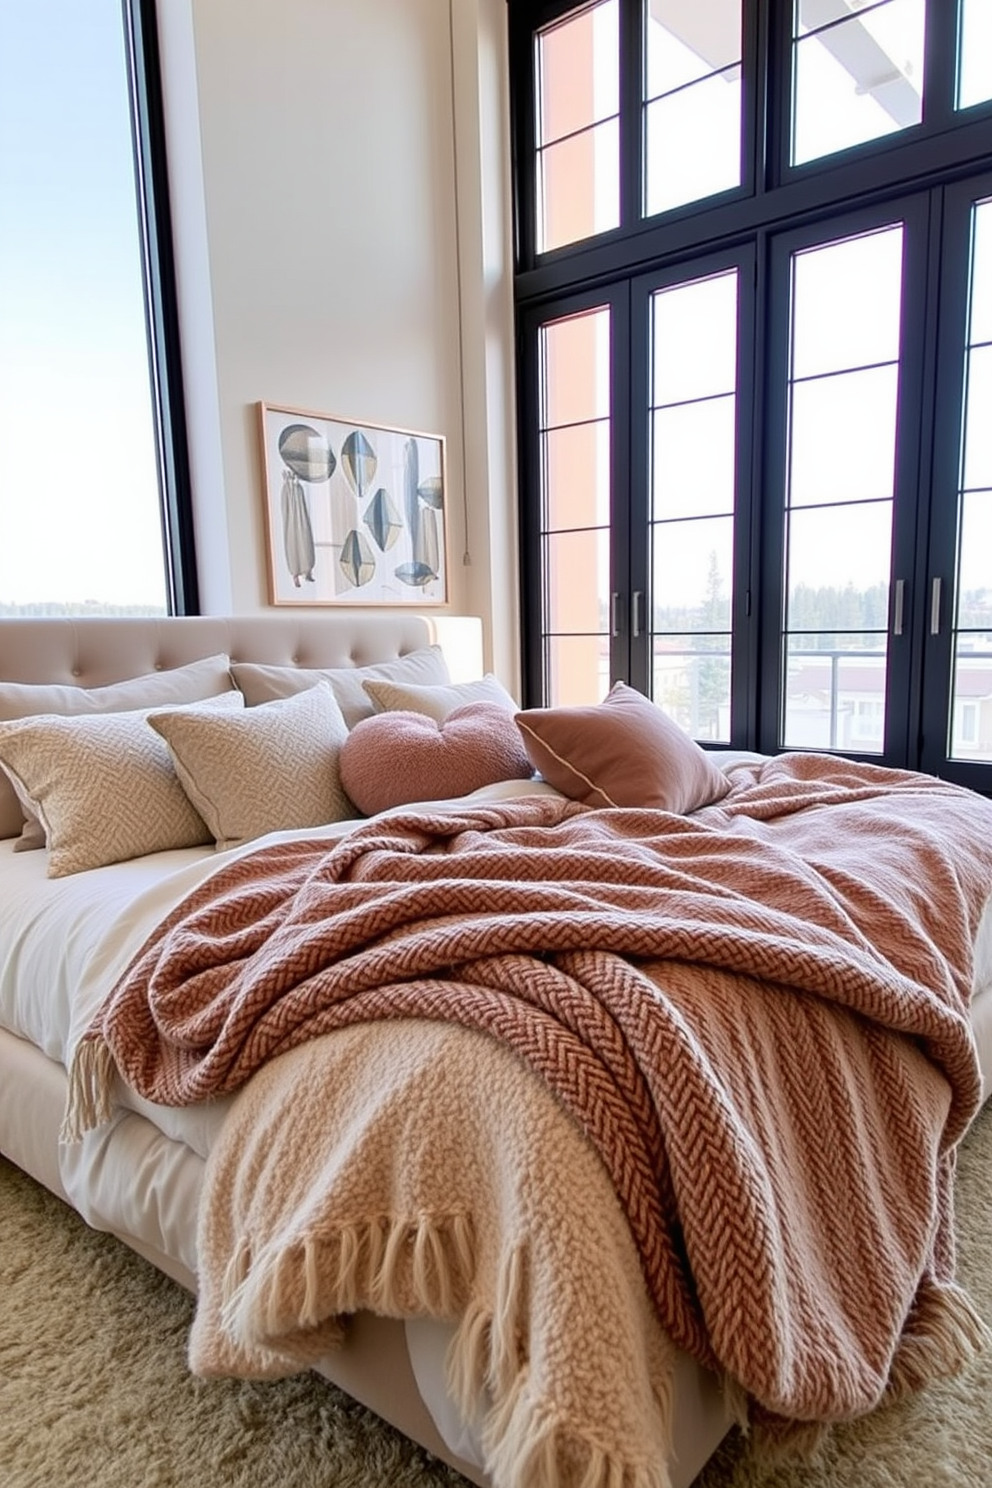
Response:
column 935, row 606
column 614, row 614
column 635, row 612
column 898, row 607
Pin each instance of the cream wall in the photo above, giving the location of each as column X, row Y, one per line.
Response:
column 340, row 197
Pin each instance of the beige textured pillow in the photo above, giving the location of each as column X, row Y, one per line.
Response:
column 103, row 786
column 263, row 684
column 186, row 684
column 624, row 751
column 438, row 702
column 265, row 769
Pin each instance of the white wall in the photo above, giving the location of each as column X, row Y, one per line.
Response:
column 343, row 247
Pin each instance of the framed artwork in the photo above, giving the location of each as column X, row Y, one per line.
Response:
column 354, row 512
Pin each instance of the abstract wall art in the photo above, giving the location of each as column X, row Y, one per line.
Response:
column 354, row 511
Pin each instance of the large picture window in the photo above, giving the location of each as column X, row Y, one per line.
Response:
column 776, row 518
column 93, row 494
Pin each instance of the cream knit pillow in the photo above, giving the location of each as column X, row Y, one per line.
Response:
column 162, row 689
column 265, row 769
column 103, row 785
column 437, row 701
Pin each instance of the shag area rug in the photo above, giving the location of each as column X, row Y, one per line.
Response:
column 94, row 1390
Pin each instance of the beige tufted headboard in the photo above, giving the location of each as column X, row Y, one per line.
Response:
column 96, row 650
column 93, row 651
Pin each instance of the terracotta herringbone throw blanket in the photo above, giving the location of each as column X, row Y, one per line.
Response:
column 758, row 1015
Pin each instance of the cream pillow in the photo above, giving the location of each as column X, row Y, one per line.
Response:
column 437, row 702
column 103, row 786
column 265, row 769
column 263, row 684
column 185, row 684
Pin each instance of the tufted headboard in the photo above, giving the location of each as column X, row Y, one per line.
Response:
column 92, row 651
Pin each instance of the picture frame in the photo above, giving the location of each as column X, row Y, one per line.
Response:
column 355, row 511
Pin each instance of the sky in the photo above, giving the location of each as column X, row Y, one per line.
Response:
column 79, row 509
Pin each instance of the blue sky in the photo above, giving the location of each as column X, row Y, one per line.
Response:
column 78, row 488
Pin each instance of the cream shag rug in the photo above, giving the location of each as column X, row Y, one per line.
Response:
column 94, row 1390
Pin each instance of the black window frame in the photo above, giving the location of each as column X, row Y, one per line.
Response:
column 158, row 267
column 921, row 166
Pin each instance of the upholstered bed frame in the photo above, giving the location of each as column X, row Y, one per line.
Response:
column 92, row 652
column 375, row 1367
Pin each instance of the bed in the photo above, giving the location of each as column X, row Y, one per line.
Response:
column 136, row 1165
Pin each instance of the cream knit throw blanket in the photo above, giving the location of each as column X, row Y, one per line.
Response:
column 419, row 1168
column 758, row 1015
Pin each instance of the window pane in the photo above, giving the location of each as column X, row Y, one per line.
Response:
column 842, row 553
column 971, row 702
column 577, row 565
column 981, row 287
column 708, row 114
column 578, row 669
column 692, row 575
column 576, row 489
column 694, row 338
column 843, row 437
column 578, row 72
column 693, row 458
column 978, row 416
column 835, row 694
column 578, row 172
column 846, row 303
column 692, row 97
column 975, row 53
column 975, row 565
column 580, row 187
column 576, row 382
column 80, row 513
column 577, row 466
column 855, row 79
column 842, row 431
column 971, row 719
column 691, row 681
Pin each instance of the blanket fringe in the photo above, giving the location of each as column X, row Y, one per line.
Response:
column 399, row 1267
column 526, row 1442
column 943, row 1334
column 88, row 1104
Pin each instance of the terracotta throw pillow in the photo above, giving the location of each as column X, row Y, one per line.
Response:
column 624, row 751
column 395, row 758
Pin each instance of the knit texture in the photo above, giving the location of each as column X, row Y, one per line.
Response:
column 420, row 1168
column 758, row 1015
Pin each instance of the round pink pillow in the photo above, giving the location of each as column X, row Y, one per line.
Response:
column 395, row 758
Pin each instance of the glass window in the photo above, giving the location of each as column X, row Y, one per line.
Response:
column 855, row 77
column 578, row 126
column 974, row 53
column 575, row 521
column 80, row 507
column 971, row 705
column 843, row 396
column 692, row 101
column 693, row 484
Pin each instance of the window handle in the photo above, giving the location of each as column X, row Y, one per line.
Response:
column 614, row 613
column 898, row 607
column 935, row 589
column 635, row 612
